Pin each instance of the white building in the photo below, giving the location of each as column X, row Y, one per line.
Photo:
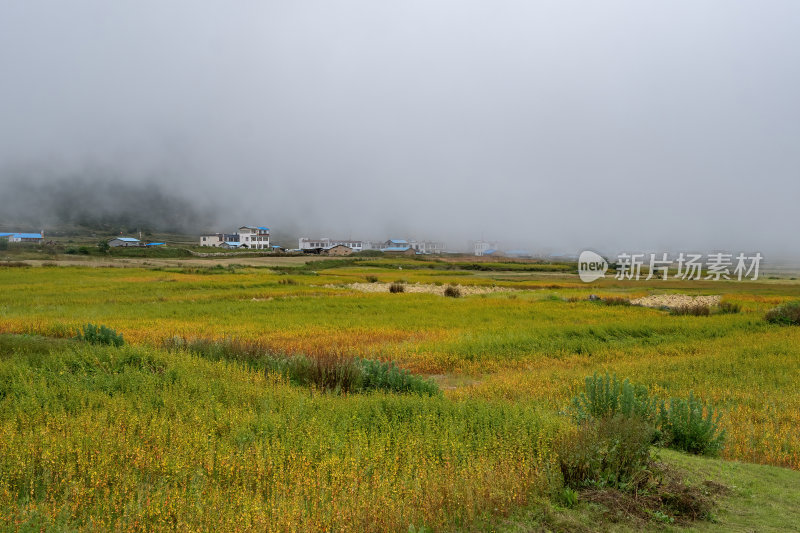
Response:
column 254, row 237
column 481, row 247
column 422, row 247
column 218, row 239
column 306, row 243
column 427, row 247
column 215, row 239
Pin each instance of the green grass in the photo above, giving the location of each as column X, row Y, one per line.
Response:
column 507, row 364
column 97, row 437
column 755, row 498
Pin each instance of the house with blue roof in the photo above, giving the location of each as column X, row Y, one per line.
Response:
column 399, row 250
column 118, row 242
column 35, row 238
column 254, row 237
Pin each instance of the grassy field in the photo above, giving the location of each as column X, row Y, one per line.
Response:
column 142, row 437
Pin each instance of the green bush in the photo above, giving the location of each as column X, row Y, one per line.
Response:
column 327, row 370
column 729, row 308
column 615, row 300
column 688, row 425
column 100, row 335
column 452, row 291
column 691, row 426
column 569, row 497
column 691, row 310
column 287, row 281
column 3, row 243
column 397, row 287
column 613, row 451
column 605, row 396
column 372, row 279
column 377, row 375
column 787, row 314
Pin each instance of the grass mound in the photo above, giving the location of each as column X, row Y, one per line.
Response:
column 785, row 315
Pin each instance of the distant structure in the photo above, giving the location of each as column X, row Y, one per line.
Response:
column 33, row 238
column 481, row 247
column 399, row 250
column 319, row 245
column 324, row 243
column 218, row 239
column 337, row 250
column 252, row 237
column 118, row 242
column 427, row 247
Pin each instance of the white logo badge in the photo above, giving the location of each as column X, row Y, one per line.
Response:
column 591, row 266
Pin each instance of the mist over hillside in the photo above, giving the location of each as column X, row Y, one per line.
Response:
column 64, row 204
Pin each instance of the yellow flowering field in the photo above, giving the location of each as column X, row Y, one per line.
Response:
column 142, row 438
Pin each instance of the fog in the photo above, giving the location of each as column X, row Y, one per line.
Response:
column 549, row 125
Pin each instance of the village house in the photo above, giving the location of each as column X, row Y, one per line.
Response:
column 306, row 243
column 211, row 240
column 319, row 245
column 481, row 247
column 254, row 237
column 337, row 250
column 33, row 238
column 124, row 242
column 218, row 239
column 427, row 247
column 399, row 250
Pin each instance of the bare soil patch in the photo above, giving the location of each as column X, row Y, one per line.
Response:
column 423, row 288
column 676, row 300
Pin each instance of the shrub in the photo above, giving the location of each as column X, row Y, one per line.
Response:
column 103, row 246
column 377, row 375
column 397, row 287
column 328, row 371
column 688, row 425
column 15, row 264
column 787, row 314
column 691, row 426
column 287, row 281
column 729, row 308
column 692, row 310
column 612, row 451
column 3, row 244
column 605, row 396
column 100, row 335
column 615, row 300
column 569, row 497
column 372, row 279
column 83, row 250
column 452, row 291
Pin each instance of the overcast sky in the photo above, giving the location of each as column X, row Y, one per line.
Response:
column 551, row 125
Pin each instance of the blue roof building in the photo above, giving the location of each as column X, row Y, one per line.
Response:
column 25, row 237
